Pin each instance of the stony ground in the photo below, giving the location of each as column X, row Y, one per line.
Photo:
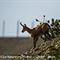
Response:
column 49, row 50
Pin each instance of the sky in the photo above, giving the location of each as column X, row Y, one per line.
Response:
column 26, row 11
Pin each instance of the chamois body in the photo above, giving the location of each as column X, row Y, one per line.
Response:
column 35, row 33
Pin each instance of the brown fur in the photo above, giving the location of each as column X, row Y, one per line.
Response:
column 35, row 33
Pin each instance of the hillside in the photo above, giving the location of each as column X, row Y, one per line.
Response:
column 14, row 45
column 22, row 47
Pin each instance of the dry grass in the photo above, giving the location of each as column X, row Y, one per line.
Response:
column 18, row 46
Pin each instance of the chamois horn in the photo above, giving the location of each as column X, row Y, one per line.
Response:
column 21, row 24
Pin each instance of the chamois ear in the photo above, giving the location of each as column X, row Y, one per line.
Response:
column 24, row 24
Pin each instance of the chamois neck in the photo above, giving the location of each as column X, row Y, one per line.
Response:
column 29, row 30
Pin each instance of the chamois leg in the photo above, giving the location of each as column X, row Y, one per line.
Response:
column 52, row 33
column 49, row 36
column 34, row 41
column 45, row 37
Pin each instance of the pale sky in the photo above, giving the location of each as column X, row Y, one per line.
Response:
column 26, row 11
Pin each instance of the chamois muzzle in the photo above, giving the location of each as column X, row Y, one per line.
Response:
column 22, row 31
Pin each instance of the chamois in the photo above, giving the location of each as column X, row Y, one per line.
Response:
column 35, row 33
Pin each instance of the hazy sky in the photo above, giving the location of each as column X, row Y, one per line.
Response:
column 26, row 11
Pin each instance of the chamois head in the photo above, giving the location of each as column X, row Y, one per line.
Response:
column 24, row 27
